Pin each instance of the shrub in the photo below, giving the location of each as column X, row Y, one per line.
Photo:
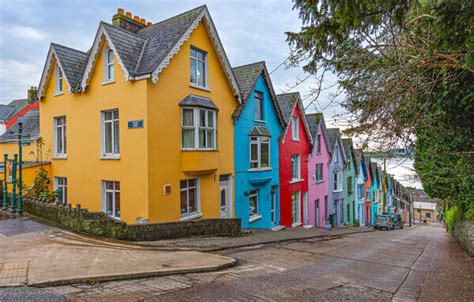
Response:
column 357, row 223
column 452, row 216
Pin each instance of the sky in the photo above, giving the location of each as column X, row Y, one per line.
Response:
column 249, row 30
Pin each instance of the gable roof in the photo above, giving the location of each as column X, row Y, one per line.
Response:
column 359, row 160
column 348, row 148
column 6, row 111
column 247, row 76
column 288, row 103
column 30, row 126
column 140, row 55
column 334, row 136
column 315, row 121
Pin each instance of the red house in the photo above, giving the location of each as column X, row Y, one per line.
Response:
column 368, row 193
column 295, row 142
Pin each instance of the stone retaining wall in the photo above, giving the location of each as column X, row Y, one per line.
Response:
column 464, row 234
column 99, row 224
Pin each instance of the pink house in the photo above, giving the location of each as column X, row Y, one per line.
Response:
column 318, row 166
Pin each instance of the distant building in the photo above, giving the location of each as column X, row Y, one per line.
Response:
column 424, row 211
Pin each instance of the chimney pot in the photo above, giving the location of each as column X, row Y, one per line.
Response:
column 142, row 21
column 120, row 11
column 128, row 14
column 136, row 18
column 148, row 23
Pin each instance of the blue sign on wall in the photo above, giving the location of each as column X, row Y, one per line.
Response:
column 135, row 124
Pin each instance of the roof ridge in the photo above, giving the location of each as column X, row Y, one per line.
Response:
column 170, row 18
column 122, row 30
column 287, row 93
column 139, row 61
column 68, row 47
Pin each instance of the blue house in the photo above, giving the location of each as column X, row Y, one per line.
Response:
column 361, row 178
column 375, row 192
column 258, row 123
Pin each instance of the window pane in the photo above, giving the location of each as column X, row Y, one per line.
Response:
column 117, row 204
column 210, row 119
column 188, row 117
column 108, row 115
column 193, row 74
column 253, row 204
column 253, row 152
column 191, row 183
column 188, row 138
column 108, row 203
column 110, row 72
column 192, row 200
column 184, row 204
column 59, row 139
column 116, row 138
column 210, row 138
column 64, row 138
column 202, row 118
column 258, row 109
column 264, row 156
column 200, row 55
column 193, row 52
column 201, row 74
column 202, row 138
column 110, row 56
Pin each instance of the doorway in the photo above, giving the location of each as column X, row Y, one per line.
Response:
column 225, row 189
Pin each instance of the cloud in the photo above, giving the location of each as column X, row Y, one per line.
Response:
column 23, row 33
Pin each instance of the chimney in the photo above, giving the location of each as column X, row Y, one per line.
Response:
column 127, row 22
column 31, row 94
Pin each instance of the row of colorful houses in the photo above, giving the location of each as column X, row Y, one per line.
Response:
column 152, row 124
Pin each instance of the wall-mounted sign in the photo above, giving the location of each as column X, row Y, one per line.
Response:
column 135, row 124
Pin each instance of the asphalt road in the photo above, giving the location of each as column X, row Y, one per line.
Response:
column 422, row 263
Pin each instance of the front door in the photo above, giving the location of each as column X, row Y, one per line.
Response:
column 305, row 209
column 225, row 196
column 316, row 213
column 296, row 207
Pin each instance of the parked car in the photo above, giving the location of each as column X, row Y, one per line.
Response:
column 397, row 220
column 383, row 222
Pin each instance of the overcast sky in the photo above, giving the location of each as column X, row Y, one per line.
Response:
column 250, row 31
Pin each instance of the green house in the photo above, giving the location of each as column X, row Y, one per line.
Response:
column 349, row 206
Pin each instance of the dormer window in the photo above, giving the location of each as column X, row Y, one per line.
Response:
column 59, row 80
column 108, row 65
column 198, row 70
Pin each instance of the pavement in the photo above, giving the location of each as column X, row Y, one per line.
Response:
column 415, row 264
column 37, row 255
column 253, row 237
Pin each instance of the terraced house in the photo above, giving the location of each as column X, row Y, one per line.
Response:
column 140, row 126
column 349, row 182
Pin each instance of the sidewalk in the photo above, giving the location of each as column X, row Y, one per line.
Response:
column 37, row 255
column 253, row 237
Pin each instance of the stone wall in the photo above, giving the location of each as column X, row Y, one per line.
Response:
column 99, row 224
column 464, row 234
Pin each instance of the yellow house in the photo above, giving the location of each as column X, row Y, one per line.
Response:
column 140, row 126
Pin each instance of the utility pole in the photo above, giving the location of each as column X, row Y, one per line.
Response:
column 20, row 167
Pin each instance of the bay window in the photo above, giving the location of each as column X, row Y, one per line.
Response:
column 198, row 129
column 259, row 152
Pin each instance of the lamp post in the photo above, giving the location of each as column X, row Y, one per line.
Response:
column 12, row 199
column 20, row 179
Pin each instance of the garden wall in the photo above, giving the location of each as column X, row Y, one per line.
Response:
column 464, row 234
column 99, row 224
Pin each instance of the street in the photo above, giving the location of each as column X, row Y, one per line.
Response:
column 421, row 263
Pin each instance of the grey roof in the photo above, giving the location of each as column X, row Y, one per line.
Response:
column 260, row 131
column 20, row 103
column 30, row 126
column 332, row 134
column 348, row 146
column 314, row 119
column 246, row 76
column 162, row 36
column 287, row 103
column 6, row 111
column 194, row 100
column 72, row 61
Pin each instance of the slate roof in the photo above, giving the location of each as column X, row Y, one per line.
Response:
column 247, row 76
column 313, row 122
column 332, row 135
column 30, row 125
column 287, row 103
column 6, row 111
column 348, row 146
column 194, row 100
column 72, row 61
column 260, row 131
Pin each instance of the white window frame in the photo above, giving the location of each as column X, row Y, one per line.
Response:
column 258, row 96
column 198, row 127
column 206, row 86
column 115, row 154
column 273, row 205
column 63, row 152
column 298, row 208
column 295, row 131
column 296, row 157
column 337, row 182
column 60, row 183
column 108, row 77
column 59, row 89
column 259, row 141
column 254, row 193
column 114, row 191
column 195, row 214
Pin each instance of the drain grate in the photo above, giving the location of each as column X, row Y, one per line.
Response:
column 13, row 273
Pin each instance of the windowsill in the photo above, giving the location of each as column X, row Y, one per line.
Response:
column 58, row 93
column 295, row 139
column 108, row 82
column 255, row 218
column 111, row 157
column 60, row 156
column 259, row 121
column 259, row 169
column 199, row 87
column 296, row 181
column 202, row 150
column 112, row 216
column 320, row 181
column 294, row 225
column 191, row 216
column 337, row 191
